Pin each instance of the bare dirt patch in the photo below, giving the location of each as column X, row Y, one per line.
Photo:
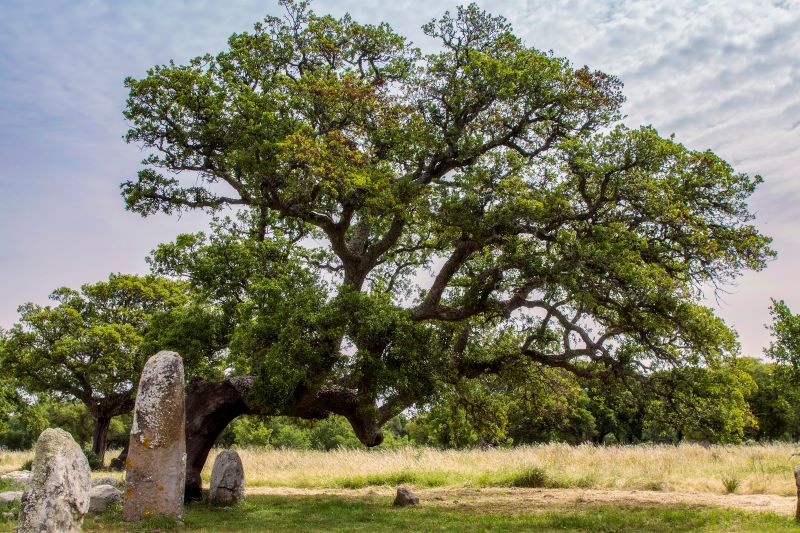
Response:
column 519, row 500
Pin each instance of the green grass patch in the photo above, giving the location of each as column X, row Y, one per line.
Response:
column 7, row 485
column 532, row 477
column 529, row 477
column 421, row 479
column 375, row 514
column 731, row 483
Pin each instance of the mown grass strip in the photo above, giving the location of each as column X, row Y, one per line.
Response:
column 375, row 514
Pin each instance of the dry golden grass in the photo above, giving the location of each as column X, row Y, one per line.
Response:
column 759, row 469
column 13, row 460
column 756, row 469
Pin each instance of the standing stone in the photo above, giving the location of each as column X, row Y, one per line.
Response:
column 797, row 483
column 58, row 495
column 227, row 479
column 155, row 468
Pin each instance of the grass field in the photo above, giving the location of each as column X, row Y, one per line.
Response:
column 544, row 488
column 374, row 514
column 756, row 469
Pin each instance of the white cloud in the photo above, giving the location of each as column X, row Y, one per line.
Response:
column 720, row 75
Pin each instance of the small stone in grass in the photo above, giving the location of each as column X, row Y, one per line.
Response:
column 405, row 497
column 21, row 477
column 10, row 497
column 102, row 496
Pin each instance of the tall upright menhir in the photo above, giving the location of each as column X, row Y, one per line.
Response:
column 406, row 219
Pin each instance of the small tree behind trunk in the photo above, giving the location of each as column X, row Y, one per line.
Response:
column 100, row 438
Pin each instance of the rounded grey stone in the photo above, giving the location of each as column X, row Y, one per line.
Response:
column 405, row 497
column 227, row 479
column 10, row 497
column 58, row 496
column 102, row 496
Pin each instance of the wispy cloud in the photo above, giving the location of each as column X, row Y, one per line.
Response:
column 720, row 75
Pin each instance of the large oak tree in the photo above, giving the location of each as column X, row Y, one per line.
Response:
column 404, row 211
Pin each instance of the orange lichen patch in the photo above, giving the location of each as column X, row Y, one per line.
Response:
column 146, row 442
column 128, row 463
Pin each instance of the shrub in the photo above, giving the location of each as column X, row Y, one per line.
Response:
column 291, row 437
column 91, row 457
column 654, row 484
column 532, row 477
column 392, row 441
column 251, row 431
column 731, row 483
column 333, row 433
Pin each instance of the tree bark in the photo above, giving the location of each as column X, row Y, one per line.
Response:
column 100, row 438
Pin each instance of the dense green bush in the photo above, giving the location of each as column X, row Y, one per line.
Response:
column 332, row 433
column 92, row 459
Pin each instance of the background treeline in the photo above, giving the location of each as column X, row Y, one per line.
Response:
column 75, row 365
column 746, row 400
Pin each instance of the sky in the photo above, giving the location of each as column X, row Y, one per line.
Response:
column 723, row 75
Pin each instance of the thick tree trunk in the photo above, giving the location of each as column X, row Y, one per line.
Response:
column 210, row 407
column 100, row 438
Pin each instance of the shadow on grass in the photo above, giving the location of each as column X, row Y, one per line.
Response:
column 375, row 514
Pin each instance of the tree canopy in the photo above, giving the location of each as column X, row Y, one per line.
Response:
column 92, row 345
column 785, row 329
column 407, row 219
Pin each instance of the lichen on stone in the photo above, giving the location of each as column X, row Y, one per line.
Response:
column 161, row 374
